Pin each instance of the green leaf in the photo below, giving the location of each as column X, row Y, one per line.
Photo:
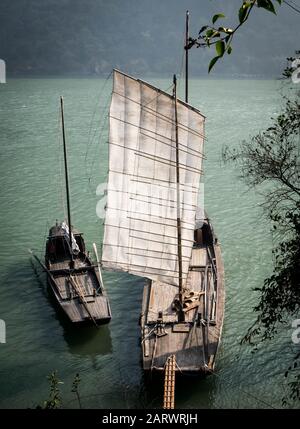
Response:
column 217, row 16
column 229, row 50
column 243, row 12
column 203, row 28
column 212, row 63
column 279, row 1
column 267, row 5
column 209, row 33
column 220, row 48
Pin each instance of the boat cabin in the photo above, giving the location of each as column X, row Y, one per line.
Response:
column 57, row 246
column 204, row 235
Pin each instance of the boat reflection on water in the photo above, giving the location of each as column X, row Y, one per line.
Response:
column 88, row 341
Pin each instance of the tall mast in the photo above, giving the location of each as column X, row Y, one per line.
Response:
column 187, row 19
column 66, row 175
column 179, row 249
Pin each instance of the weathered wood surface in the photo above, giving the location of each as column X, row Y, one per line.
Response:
column 77, row 313
column 169, row 384
column 196, row 349
column 67, row 296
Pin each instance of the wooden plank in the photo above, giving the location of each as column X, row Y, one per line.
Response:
column 161, row 298
column 146, row 342
column 181, row 327
column 195, row 349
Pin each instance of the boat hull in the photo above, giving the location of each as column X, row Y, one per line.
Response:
column 75, row 312
column 75, row 285
column 195, row 342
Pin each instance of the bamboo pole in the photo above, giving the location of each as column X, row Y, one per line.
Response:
column 187, row 18
column 78, row 289
column 66, row 178
column 179, row 249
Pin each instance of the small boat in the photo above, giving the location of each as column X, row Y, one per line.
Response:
column 76, row 282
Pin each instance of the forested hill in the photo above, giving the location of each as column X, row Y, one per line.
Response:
column 90, row 37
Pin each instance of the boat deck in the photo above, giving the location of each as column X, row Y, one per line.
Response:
column 63, row 264
column 98, row 308
column 78, row 292
column 87, row 281
column 193, row 342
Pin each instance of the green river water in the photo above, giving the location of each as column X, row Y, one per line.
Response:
column 109, row 359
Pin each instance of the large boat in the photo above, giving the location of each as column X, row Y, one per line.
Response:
column 76, row 282
column 192, row 338
column 153, row 228
column 156, row 228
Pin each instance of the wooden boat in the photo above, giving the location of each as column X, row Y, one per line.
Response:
column 155, row 165
column 152, row 227
column 75, row 281
column 194, row 340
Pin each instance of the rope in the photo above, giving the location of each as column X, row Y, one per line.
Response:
column 236, row 385
column 149, row 333
column 154, row 352
column 257, row 399
column 79, row 290
column 45, row 237
column 52, row 181
column 291, row 6
column 161, row 116
column 102, row 122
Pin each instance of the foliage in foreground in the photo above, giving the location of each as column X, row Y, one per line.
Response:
column 271, row 160
column 221, row 37
column 54, row 399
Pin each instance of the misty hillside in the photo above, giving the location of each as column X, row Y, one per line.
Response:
column 76, row 37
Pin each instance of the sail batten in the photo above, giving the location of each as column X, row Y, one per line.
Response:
column 157, row 90
column 141, row 248
column 135, row 178
column 136, row 197
column 146, row 232
column 158, row 158
column 140, row 235
column 162, row 117
column 142, row 130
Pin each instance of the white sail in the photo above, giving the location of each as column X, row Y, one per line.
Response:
column 140, row 235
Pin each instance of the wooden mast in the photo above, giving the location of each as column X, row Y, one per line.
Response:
column 66, row 178
column 179, row 249
column 187, row 19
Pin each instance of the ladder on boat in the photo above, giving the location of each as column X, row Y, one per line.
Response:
column 169, row 384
